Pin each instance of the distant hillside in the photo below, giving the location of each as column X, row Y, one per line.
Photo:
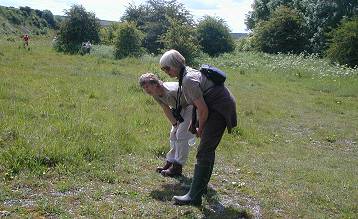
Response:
column 31, row 21
column 25, row 20
column 238, row 35
column 103, row 23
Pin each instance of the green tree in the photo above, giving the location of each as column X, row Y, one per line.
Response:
column 153, row 18
column 214, row 36
column 320, row 16
column 79, row 26
column 13, row 16
column 128, row 41
column 108, row 34
column 259, row 13
column 343, row 46
column 283, row 32
column 183, row 38
column 26, row 11
column 48, row 16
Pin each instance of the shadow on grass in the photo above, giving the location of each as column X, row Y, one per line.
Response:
column 169, row 190
column 213, row 209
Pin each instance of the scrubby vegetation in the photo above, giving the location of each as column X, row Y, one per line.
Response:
column 214, row 36
column 80, row 26
column 305, row 22
column 128, row 41
column 283, row 32
column 344, row 43
column 159, row 19
column 183, row 38
column 153, row 18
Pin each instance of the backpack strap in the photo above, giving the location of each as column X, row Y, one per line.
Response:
column 179, row 92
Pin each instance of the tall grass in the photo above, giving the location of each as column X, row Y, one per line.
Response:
column 103, row 51
column 79, row 107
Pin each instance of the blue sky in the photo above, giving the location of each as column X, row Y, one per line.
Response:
column 232, row 11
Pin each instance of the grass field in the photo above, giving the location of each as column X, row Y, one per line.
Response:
column 79, row 138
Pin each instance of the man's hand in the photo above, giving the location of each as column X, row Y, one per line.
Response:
column 199, row 131
column 203, row 112
column 192, row 128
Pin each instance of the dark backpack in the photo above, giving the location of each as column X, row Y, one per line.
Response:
column 214, row 74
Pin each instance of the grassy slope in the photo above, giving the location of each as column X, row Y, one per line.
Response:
column 14, row 21
column 78, row 137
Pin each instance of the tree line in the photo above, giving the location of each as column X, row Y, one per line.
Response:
column 151, row 27
column 326, row 27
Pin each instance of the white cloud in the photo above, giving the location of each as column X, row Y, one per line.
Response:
column 233, row 12
column 107, row 9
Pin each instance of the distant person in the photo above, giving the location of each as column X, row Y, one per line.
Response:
column 55, row 42
column 165, row 93
column 26, row 39
column 216, row 111
column 86, row 48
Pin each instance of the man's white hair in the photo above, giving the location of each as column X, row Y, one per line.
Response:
column 172, row 59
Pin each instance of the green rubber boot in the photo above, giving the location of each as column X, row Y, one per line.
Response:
column 206, row 189
column 198, row 186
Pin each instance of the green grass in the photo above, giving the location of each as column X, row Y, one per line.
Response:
column 78, row 137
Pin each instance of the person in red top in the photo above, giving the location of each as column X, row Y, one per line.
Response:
column 26, row 40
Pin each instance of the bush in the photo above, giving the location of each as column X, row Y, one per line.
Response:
column 283, row 32
column 108, row 34
column 80, row 26
column 36, row 22
column 44, row 31
column 182, row 37
column 13, row 17
column 214, row 36
column 49, row 18
column 128, row 41
column 244, row 44
column 153, row 18
column 26, row 10
column 343, row 46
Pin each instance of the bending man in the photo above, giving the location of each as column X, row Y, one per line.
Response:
column 165, row 93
